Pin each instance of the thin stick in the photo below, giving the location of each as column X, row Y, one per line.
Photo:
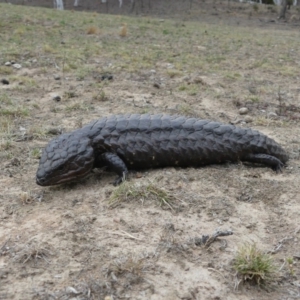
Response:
column 127, row 234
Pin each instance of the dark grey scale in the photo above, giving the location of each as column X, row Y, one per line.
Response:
column 179, row 133
column 211, row 126
column 156, row 124
column 63, row 154
column 164, row 135
column 94, row 123
column 144, row 124
column 133, row 122
column 189, row 156
column 233, row 140
column 110, row 125
column 122, row 126
column 190, row 124
column 258, row 143
column 56, row 156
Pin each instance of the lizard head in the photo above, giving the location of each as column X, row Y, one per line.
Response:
column 65, row 158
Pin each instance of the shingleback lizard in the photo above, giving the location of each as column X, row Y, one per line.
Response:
column 136, row 141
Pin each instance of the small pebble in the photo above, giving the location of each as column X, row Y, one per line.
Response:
column 8, row 63
column 54, row 131
column 237, row 121
column 272, row 115
column 248, row 119
column 71, row 290
column 107, row 76
column 56, row 77
column 243, row 110
column 4, row 81
column 57, row 98
column 156, row 85
column 17, row 66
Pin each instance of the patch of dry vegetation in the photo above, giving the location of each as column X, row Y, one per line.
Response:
column 92, row 30
column 32, row 252
column 140, row 193
column 252, row 264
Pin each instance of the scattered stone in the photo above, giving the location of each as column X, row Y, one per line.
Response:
column 199, row 80
column 272, row 115
column 156, row 85
column 296, row 283
column 56, row 77
column 34, row 60
column 54, row 131
column 152, row 71
column 56, row 98
column 17, row 66
column 248, row 119
column 186, row 78
column 237, row 121
column 71, row 290
column 4, row 81
column 15, row 162
column 221, row 114
column 8, row 63
column 243, row 110
column 201, row 48
column 107, row 77
column 252, row 90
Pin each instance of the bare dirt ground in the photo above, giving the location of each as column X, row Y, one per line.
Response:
column 71, row 241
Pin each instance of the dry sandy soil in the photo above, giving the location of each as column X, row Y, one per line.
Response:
column 89, row 240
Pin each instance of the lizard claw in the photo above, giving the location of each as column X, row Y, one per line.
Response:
column 120, row 179
column 278, row 167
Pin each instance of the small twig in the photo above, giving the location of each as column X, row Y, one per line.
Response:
column 212, row 269
column 279, row 245
column 124, row 233
column 4, row 245
column 216, row 235
column 282, row 266
column 207, row 240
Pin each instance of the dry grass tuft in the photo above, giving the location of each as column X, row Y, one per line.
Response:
column 26, row 198
column 4, row 70
column 128, row 269
column 123, row 31
column 129, row 191
column 128, row 264
column 32, row 252
column 92, row 30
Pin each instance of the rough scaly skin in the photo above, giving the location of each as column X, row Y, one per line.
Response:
column 135, row 141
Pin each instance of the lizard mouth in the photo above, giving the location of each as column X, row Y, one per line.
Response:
column 44, row 181
column 40, row 181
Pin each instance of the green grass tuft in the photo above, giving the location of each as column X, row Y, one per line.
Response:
column 254, row 265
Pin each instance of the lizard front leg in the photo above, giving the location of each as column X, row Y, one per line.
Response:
column 116, row 164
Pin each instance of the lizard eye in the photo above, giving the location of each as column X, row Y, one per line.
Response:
column 60, row 168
